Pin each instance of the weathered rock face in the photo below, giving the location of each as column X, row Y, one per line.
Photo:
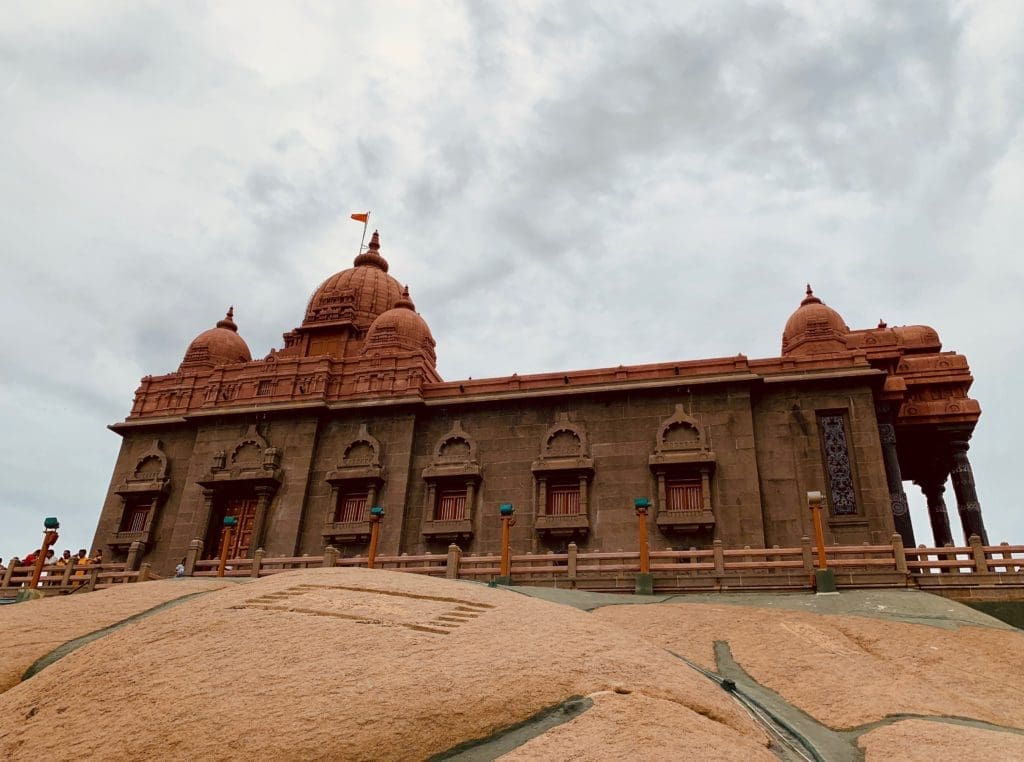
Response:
column 347, row 664
column 367, row 664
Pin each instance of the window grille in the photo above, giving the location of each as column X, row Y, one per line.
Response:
column 352, row 506
column 563, row 499
column 451, row 505
column 684, row 495
column 838, row 471
column 134, row 519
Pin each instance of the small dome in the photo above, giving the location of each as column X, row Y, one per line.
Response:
column 218, row 346
column 814, row 328
column 400, row 329
column 358, row 294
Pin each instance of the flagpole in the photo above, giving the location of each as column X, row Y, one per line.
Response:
column 366, row 224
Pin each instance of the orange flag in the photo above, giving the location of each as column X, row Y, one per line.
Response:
column 361, row 216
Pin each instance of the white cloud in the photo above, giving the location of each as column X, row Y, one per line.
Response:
column 551, row 180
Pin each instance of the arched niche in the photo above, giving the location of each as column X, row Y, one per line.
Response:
column 356, row 486
column 142, row 493
column 682, row 465
column 561, row 477
column 241, row 482
column 452, row 487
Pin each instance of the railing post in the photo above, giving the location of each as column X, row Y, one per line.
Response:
column 10, row 570
column 144, row 572
column 1008, row 557
column 807, row 553
column 330, row 556
column 65, row 579
column 719, row 557
column 899, row 553
column 570, row 564
column 454, row 555
column 195, row 550
column 93, row 574
column 980, row 562
column 257, row 562
column 134, row 556
column 947, row 557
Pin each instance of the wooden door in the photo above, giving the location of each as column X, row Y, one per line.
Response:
column 243, row 509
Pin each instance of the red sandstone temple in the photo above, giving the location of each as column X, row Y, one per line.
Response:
column 351, row 413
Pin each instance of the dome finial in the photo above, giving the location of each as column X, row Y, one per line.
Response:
column 372, row 255
column 810, row 298
column 405, row 301
column 228, row 321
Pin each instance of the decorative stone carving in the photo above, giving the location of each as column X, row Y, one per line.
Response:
column 837, row 465
column 681, row 453
column 454, row 455
column 681, row 439
column 455, row 466
column 142, row 492
column 360, row 470
column 564, row 447
column 565, row 462
column 250, row 461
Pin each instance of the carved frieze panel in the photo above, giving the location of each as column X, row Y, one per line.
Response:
column 455, row 454
column 250, row 460
column 150, row 474
column 565, row 446
column 361, row 459
column 680, row 439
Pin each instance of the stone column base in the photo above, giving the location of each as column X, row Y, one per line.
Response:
column 644, row 584
column 825, row 582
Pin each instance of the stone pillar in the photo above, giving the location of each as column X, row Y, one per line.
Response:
column 933, row 487
column 195, row 552
column 134, row 556
column 452, row 567
column 259, row 523
column 470, row 499
column 207, row 510
column 893, row 476
column 966, row 495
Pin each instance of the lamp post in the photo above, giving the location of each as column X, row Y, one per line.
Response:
column 50, row 527
column 644, row 580
column 824, row 578
column 376, row 514
column 506, row 511
column 230, row 522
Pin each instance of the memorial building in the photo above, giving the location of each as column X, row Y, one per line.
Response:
column 351, row 413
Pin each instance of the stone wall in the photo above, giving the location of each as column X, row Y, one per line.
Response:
column 762, row 437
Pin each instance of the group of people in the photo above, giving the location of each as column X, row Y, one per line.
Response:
column 81, row 559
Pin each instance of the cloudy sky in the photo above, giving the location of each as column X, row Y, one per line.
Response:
column 562, row 185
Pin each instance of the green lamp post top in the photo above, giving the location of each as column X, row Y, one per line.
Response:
column 51, row 523
column 230, row 521
column 377, row 511
column 641, row 504
column 505, row 509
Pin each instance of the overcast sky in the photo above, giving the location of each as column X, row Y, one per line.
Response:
column 562, row 186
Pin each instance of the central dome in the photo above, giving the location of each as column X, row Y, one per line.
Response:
column 357, row 295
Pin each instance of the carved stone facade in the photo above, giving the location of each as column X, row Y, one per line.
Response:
column 351, row 413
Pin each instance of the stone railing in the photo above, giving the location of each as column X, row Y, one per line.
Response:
column 971, row 571
column 61, row 580
column 958, row 572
